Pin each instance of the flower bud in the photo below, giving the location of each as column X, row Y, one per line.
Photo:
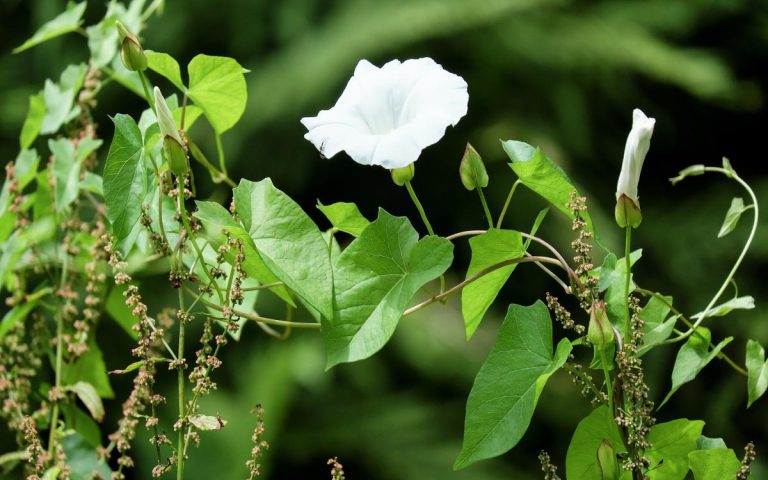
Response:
column 165, row 117
column 600, row 332
column 131, row 52
column 472, row 169
column 638, row 143
column 403, row 174
column 175, row 155
column 606, row 461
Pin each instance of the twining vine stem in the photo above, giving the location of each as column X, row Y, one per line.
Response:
column 485, row 271
column 708, row 311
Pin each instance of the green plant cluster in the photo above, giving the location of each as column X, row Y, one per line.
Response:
column 73, row 241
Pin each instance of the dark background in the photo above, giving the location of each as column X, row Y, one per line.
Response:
column 561, row 75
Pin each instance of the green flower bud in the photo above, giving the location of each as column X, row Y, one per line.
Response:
column 131, row 52
column 606, row 461
column 175, row 155
column 627, row 212
column 472, row 169
column 403, row 174
column 600, row 332
column 165, row 117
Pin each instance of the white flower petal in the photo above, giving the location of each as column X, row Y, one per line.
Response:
column 638, row 144
column 386, row 116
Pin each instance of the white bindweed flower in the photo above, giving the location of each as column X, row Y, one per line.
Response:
column 386, row 116
column 638, row 143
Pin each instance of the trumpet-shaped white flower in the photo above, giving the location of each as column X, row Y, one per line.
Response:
column 386, row 116
column 638, row 143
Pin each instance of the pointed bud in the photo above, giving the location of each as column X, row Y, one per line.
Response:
column 131, row 52
column 638, row 143
column 606, row 461
column 403, row 174
column 165, row 117
column 627, row 212
column 472, row 169
column 600, row 332
column 175, row 155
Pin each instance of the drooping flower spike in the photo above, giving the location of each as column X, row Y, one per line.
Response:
column 386, row 116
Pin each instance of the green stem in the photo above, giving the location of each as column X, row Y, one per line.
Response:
column 485, row 206
column 721, row 355
column 220, row 152
column 506, row 203
column 424, row 219
column 180, row 351
column 609, row 386
column 216, row 175
column 160, row 195
column 59, row 358
column 198, row 252
column 707, row 311
column 628, row 267
column 459, row 286
column 420, row 208
column 145, row 86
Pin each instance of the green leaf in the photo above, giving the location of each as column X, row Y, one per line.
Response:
column 492, row 247
column 67, row 160
column 714, row 464
column 732, row 217
column 19, row 244
column 103, row 38
column 543, row 176
column 83, row 460
column 125, row 180
column 136, row 365
column 656, row 327
column 92, row 183
column 59, row 99
column 82, row 423
column 217, row 85
column 581, row 458
column 671, row 442
column 706, row 443
column 90, row 368
column 33, row 123
column 166, row 66
column 693, row 356
column 66, row 22
column 216, row 219
column 207, row 422
column 738, row 303
column 507, row 388
column 288, row 241
column 615, row 273
column 757, row 371
column 374, row 279
column 87, row 394
column 14, row 315
column 345, row 217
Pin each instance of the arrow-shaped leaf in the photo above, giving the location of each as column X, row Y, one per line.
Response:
column 507, row 388
column 375, row 278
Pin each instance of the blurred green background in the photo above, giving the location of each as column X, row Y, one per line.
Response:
column 561, row 75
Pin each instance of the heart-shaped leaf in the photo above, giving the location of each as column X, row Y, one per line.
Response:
column 375, row 278
column 507, row 388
